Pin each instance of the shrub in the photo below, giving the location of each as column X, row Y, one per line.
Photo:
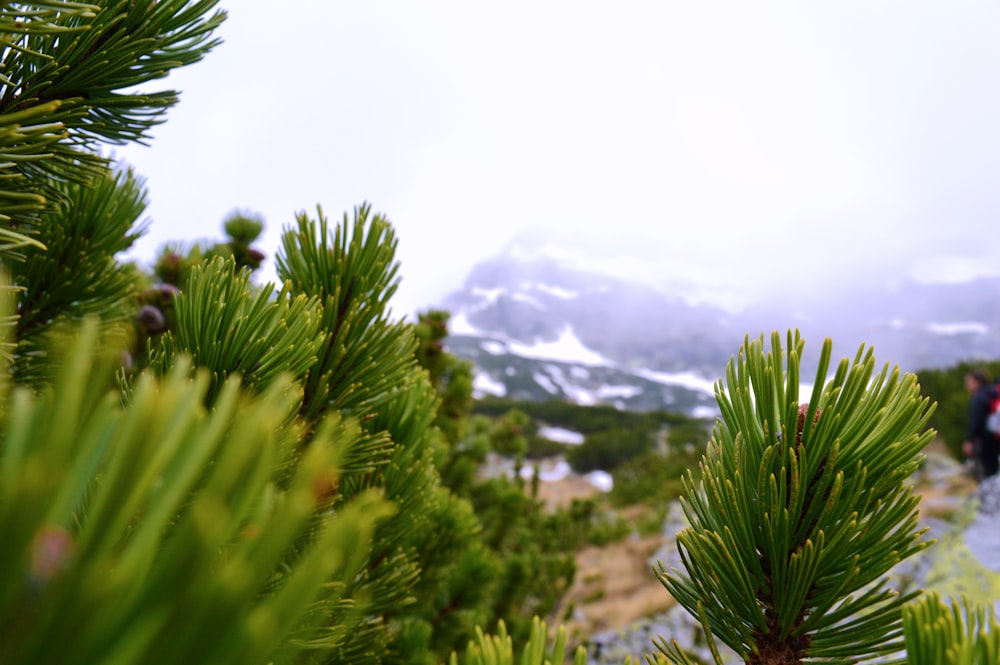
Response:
column 608, row 450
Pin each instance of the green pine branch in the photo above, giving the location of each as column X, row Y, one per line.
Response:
column 92, row 64
column 802, row 508
column 76, row 274
column 956, row 633
column 229, row 329
column 499, row 650
column 352, row 270
column 166, row 533
column 69, row 77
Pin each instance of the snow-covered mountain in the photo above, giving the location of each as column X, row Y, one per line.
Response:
column 536, row 328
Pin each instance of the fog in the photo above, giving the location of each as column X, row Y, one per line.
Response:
column 734, row 150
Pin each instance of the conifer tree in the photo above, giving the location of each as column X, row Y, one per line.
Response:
column 186, row 522
column 74, row 77
column 366, row 367
column 802, row 508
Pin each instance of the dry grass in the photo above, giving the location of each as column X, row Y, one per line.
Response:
column 614, row 584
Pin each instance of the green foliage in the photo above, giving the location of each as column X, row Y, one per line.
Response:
column 353, row 274
column 959, row 634
column 611, row 436
column 431, row 331
column 243, row 228
column 164, row 532
column 459, row 463
column 499, row 650
column 526, row 562
column 507, row 436
column 652, row 478
column 527, row 551
column 687, row 436
column 540, row 447
column 174, row 264
column 366, row 365
column 71, row 72
column 583, row 419
column 415, row 605
column 452, row 378
column 322, row 347
column 257, row 428
column 802, row 509
column 533, row 551
column 604, row 528
column 655, row 478
column 229, row 330
column 608, row 450
column 76, row 275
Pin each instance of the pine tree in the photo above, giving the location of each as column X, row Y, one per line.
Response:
column 802, row 508
column 378, row 561
column 160, row 532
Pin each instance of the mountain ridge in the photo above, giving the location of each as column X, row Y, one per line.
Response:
column 536, row 328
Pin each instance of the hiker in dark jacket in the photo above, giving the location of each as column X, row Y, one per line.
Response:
column 981, row 445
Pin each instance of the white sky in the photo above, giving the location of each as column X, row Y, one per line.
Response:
column 745, row 147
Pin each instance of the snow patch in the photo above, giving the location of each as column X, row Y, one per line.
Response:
column 602, row 480
column 567, row 348
column 705, row 412
column 548, row 471
column 484, row 384
column 683, row 379
column 489, row 296
column 574, row 393
column 561, row 435
column 623, row 391
column 546, row 383
column 493, row 347
column 458, row 324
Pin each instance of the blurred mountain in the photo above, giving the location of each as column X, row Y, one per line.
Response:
column 539, row 328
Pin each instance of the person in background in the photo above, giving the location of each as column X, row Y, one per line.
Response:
column 981, row 445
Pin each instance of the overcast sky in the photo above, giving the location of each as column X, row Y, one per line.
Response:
column 741, row 147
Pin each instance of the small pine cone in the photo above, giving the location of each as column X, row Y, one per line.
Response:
column 255, row 257
column 151, row 319
column 803, row 410
column 52, row 550
column 168, row 290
